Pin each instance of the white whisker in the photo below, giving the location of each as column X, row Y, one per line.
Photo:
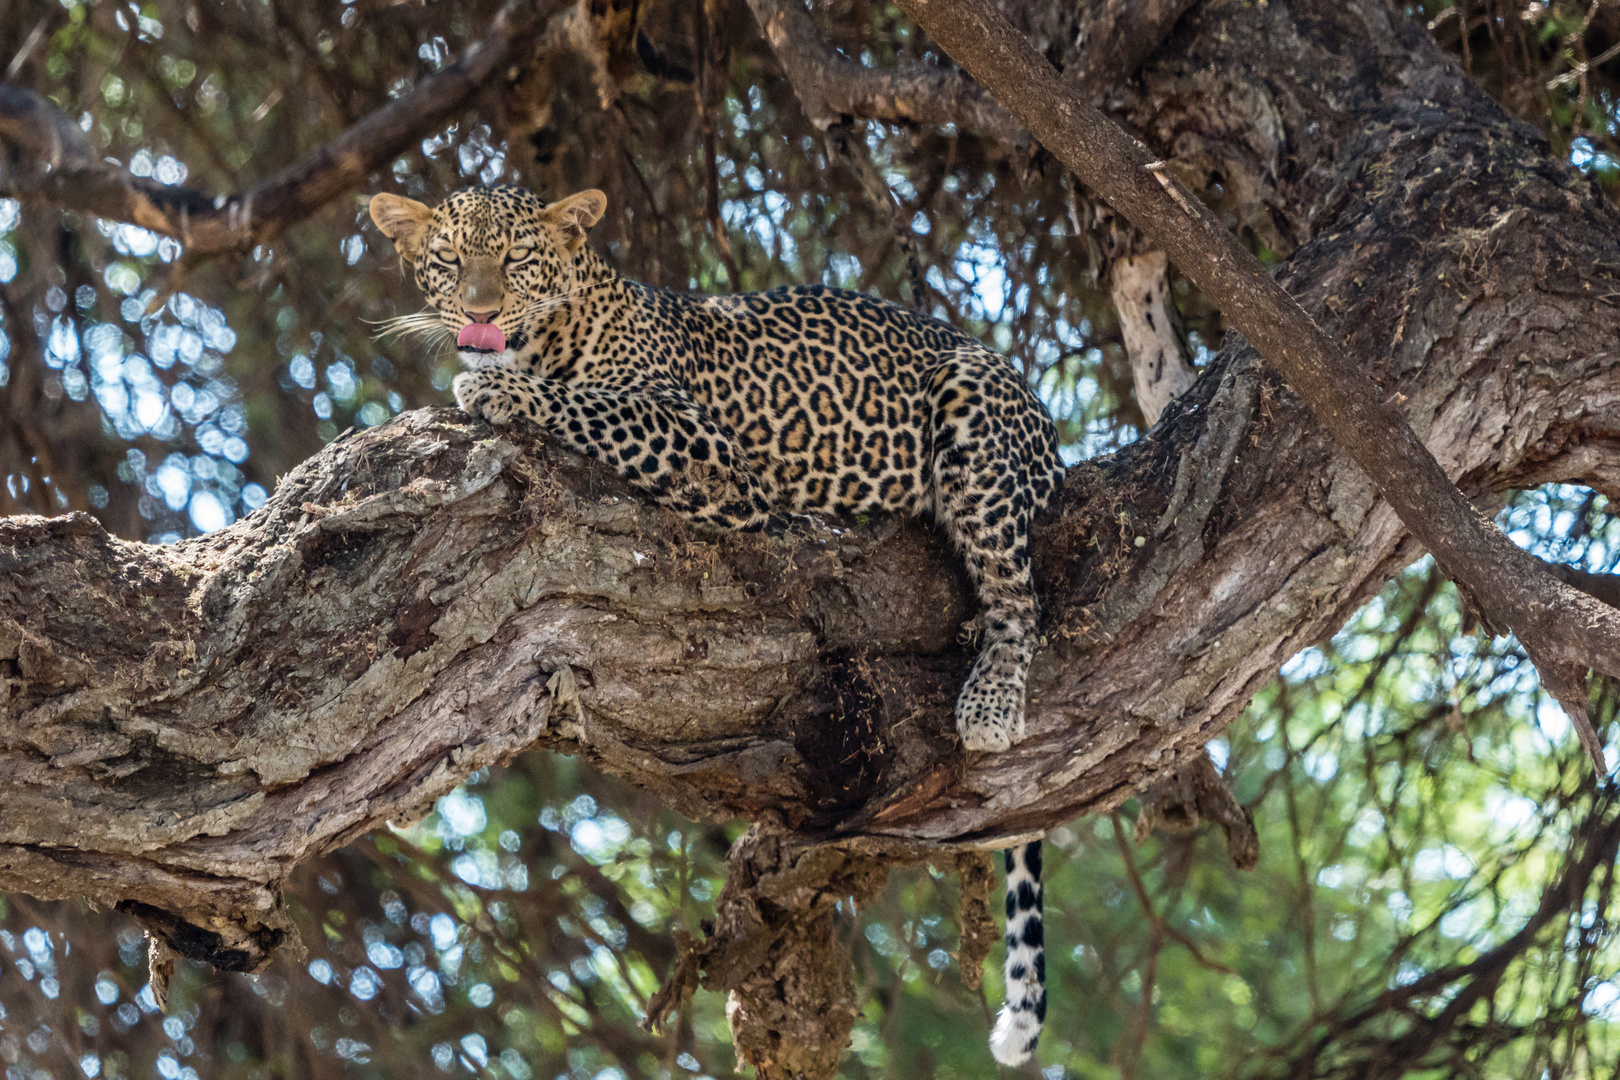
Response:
column 435, row 326
column 417, row 323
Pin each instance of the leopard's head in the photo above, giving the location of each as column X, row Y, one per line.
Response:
column 495, row 263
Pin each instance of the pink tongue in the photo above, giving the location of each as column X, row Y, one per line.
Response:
column 481, row 335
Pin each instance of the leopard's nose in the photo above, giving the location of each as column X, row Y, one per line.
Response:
column 481, row 316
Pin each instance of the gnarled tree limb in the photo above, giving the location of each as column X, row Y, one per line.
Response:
column 1160, row 369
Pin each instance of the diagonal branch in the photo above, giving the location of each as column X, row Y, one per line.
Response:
column 52, row 160
column 1564, row 630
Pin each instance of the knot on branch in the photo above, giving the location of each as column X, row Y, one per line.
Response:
column 1182, row 803
column 776, row 945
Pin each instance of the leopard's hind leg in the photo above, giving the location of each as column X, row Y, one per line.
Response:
column 994, row 465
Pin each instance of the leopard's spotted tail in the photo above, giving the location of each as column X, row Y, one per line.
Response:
column 1018, row 1028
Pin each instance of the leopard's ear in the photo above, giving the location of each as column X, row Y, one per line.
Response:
column 575, row 215
column 404, row 221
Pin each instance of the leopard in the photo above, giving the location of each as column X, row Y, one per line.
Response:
column 726, row 408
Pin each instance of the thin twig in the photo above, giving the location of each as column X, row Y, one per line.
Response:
column 1159, row 922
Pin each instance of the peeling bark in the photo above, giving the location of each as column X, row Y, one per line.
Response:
column 776, row 944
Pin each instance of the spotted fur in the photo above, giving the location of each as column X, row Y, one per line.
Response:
column 725, row 407
column 1018, row 1027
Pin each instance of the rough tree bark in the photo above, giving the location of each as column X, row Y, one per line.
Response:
column 179, row 726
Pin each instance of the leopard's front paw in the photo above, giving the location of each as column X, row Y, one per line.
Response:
column 983, row 735
column 990, row 713
column 480, row 393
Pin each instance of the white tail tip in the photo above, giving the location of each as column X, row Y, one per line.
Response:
column 1014, row 1037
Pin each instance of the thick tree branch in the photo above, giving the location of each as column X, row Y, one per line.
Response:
column 191, row 722
column 50, row 158
column 1564, row 630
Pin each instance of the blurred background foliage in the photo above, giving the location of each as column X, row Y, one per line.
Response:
column 1434, row 895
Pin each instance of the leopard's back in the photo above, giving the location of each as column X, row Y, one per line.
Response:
column 831, row 395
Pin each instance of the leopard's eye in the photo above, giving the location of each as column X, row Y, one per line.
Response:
column 517, row 255
column 446, row 255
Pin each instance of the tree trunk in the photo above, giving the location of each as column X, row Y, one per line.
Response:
column 179, row 726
